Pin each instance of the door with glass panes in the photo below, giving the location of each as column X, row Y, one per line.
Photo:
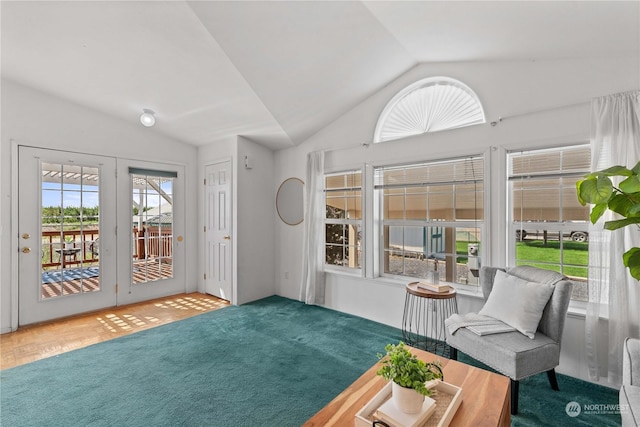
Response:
column 66, row 223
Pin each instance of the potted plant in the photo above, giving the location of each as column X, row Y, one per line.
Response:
column 68, row 242
column 597, row 189
column 409, row 376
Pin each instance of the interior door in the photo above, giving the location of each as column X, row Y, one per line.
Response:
column 218, row 238
column 66, row 223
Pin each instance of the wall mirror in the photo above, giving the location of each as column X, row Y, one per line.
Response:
column 289, row 201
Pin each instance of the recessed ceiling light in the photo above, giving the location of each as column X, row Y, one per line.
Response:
column 147, row 118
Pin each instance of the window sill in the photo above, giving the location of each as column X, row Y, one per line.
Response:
column 577, row 309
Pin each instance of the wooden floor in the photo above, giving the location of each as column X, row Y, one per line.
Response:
column 35, row 342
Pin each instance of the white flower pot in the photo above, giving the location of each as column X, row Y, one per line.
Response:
column 407, row 400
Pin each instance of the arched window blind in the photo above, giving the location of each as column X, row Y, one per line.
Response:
column 429, row 105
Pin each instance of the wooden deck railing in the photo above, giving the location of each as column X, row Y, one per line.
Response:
column 150, row 242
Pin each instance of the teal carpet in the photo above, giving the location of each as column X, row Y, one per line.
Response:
column 274, row 362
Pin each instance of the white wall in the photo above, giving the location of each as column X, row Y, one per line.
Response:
column 256, row 215
column 253, row 216
column 543, row 103
column 30, row 117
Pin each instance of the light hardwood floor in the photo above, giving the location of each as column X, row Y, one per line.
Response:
column 35, row 342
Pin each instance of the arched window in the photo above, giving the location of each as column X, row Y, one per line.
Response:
column 429, row 105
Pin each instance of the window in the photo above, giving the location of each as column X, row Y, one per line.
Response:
column 431, row 218
column 548, row 224
column 152, row 209
column 429, row 105
column 343, row 223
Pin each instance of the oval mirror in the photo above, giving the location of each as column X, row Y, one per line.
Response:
column 289, row 201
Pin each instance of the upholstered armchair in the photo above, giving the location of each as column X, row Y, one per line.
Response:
column 630, row 390
column 512, row 353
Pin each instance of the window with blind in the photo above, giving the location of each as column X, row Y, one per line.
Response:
column 343, row 219
column 548, row 224
column 429, row 105
column 432, row 218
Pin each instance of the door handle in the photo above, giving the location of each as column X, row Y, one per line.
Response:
column 26, row 250
column 227, row 237
column 26, row 236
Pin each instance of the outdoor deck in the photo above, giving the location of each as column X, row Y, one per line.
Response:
column 142, row 272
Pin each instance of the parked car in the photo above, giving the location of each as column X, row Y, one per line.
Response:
column 576, row 236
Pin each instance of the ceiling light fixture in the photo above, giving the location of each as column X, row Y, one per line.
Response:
column 147, row 118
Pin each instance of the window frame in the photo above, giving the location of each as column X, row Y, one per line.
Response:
column 380, row 222
column 562, row 227
column 347, row 221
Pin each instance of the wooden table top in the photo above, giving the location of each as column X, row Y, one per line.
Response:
column 485, row 396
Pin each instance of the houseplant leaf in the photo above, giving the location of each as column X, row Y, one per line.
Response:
column 619, row 223
column 631, row 184
column 597, row 212
column 631, row 259
column 595, row 190
column 612, row 171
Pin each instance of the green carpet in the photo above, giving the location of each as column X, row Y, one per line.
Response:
column 274, row 362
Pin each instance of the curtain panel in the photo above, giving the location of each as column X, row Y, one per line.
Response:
column 313, row 284
column 613, row 309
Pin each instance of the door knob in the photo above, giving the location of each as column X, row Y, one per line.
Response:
column 26, row 250
column 26, row 236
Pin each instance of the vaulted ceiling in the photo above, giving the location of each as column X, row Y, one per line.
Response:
column 277, row 72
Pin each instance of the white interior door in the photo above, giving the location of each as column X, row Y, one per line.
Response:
column 218, row 238
column 66, row 223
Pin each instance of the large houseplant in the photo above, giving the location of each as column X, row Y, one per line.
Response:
column 598, row 189
column 409, row 375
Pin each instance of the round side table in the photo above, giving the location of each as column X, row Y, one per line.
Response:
column 423, row 318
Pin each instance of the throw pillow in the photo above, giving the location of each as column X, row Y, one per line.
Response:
column 517, row 302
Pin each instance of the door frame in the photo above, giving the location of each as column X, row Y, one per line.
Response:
column 234, row 231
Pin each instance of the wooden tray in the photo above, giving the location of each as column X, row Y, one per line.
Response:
column 448, row 398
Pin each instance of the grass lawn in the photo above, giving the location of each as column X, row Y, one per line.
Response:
column 535, row 252
column 575, row 255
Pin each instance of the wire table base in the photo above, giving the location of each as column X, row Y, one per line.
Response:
column 423, row 318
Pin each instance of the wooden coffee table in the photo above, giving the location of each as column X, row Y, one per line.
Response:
column 485, row 396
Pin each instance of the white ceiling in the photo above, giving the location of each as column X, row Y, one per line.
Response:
column 277, row 72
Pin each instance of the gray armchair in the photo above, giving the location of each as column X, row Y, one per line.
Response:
column 514, row 354
column 630, row 390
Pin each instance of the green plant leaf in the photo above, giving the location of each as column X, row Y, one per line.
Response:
column 595, row 190
column 631, row 259
column 619, row 223
column 597, row 212
column 631, row 184
column 612, row 171
column 636, row 169
column 635, row 209
column 621, row 204
column 578, row 185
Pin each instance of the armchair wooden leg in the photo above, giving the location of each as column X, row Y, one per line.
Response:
column 551, row 374
column 515, row 386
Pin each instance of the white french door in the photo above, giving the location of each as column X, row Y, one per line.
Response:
column 151, row 229
column 96, row 232
column 67, row 233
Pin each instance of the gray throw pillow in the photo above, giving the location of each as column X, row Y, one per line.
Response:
column 517, row 302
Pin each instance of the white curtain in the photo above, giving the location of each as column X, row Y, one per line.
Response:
column 613, row 293
column 312, row 289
